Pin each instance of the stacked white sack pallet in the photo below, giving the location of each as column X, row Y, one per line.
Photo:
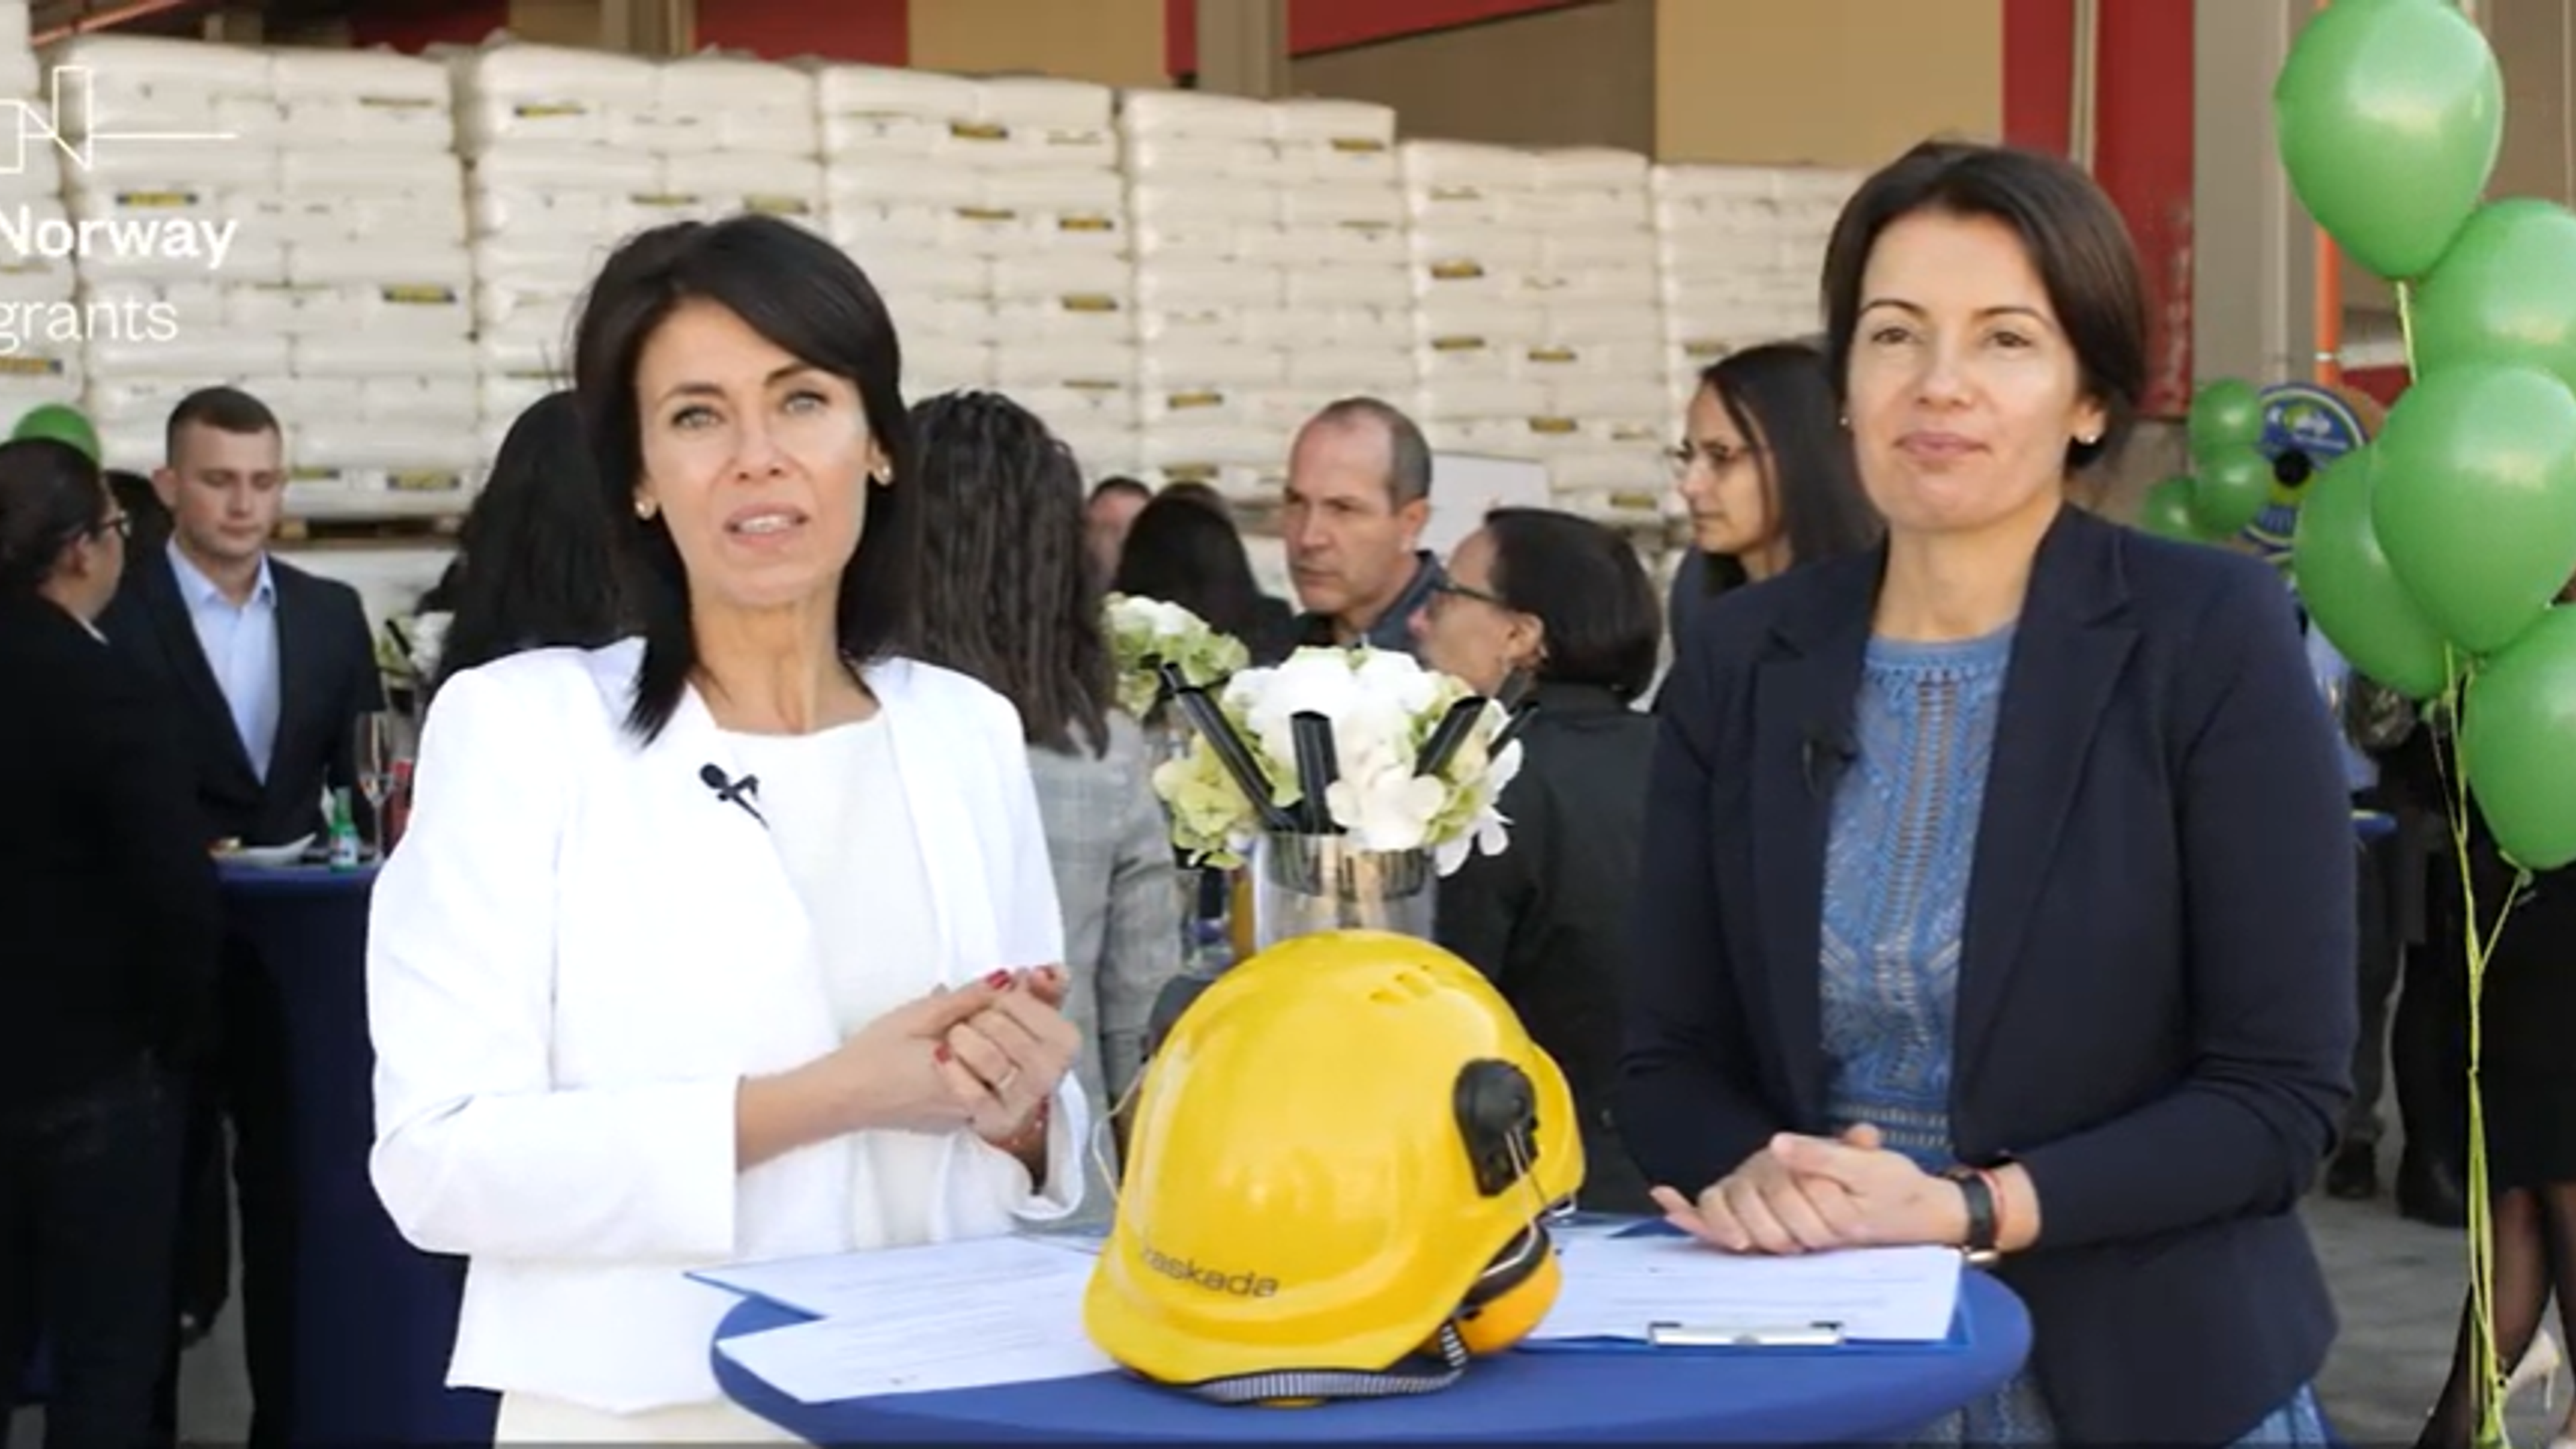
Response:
column 989, row 215
column 574, row 152
column 1346, row 321
column 556, row 172
column 41, row 321
column 171, row 257
column 1537, row 327
column 378, row 306
column 1203, row 182
column 1743, row 251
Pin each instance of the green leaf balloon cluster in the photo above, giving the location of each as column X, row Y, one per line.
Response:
column 2436, row 557
column 2231, row 478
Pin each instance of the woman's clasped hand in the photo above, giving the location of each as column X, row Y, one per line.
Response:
column 985, row 1056
column 1810, row 1194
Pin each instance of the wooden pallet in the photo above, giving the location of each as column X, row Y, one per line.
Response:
column 417, row 528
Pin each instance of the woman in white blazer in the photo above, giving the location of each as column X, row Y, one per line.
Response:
column 738, row 940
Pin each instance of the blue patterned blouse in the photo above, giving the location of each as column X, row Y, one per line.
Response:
column 1903, row 836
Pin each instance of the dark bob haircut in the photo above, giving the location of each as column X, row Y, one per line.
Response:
column 51, row 496
column 1589, row 593
column 807, row 297
column 2076, row 240
column 1781, row 397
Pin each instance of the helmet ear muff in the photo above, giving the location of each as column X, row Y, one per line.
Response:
column 1510, row 1297
column 1496, row 1106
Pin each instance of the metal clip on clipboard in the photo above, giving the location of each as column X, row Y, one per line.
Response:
column 1745, row 1335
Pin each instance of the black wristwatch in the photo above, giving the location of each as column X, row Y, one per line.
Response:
column 1981, row 1247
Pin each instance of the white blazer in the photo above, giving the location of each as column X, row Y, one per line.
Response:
column 575, row 955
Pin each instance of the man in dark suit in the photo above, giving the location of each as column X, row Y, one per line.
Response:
column 113, row 929
column 268, row 667
column 273, row 664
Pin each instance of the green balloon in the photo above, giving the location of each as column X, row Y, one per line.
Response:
column 2349, row 590
column 2474, row 498
column 2390, row 114
column 2230, row 490
column 2166, row 511
column 2225, row 415
column 2504, row 292
column 2517, row 729
column 60, row 423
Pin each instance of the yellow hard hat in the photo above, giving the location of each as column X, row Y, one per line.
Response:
column 1337, row 1185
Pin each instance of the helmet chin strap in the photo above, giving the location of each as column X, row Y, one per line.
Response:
column 1426, row 1376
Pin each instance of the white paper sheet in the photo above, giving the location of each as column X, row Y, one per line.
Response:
column 1623, row 1287
column 876, row 1285
column 953, row 1340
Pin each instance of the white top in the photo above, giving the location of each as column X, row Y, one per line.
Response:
column 836, row 810
column 579, row 951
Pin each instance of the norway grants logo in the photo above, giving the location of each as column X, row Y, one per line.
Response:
column 36, row 123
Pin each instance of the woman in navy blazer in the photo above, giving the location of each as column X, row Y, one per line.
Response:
column 1998, row 883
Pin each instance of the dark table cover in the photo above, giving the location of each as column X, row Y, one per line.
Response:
column 1700, row 1396
column 374, row 1317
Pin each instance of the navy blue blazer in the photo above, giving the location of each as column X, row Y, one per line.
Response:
column 2155, row 1004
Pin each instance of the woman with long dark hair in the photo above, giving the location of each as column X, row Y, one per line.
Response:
column 536, row 566
column 1009, row 599
column 1766, row 470
column 737, row 940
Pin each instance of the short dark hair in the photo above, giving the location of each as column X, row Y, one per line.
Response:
column 1133, row 488
column 810, row 299
column 1781, row 396
column 1183, row 552
column 51, row 495
column 1008, row 592
column 1589, row 592
column 537, row 567
column 1205, row 495
column 2076, row 240
column 225, row 409
column 1408, row 455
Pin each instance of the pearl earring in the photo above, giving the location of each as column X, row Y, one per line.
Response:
column 644, row 509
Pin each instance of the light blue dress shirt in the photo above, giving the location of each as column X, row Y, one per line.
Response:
column 240, row 644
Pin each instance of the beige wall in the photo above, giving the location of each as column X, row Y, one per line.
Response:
column 1578, row 77
column 1113, row 42
column 1828, row 82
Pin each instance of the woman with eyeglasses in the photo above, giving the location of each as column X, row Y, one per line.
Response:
column 1766, row 470
column 112, row 925
column 1566, row 602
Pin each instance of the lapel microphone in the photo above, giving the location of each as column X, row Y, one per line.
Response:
column 734, row 792
column 1822, row 755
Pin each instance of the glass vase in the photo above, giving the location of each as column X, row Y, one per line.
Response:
column 1302, row 884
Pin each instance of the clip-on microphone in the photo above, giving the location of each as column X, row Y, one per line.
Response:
column 735, row 792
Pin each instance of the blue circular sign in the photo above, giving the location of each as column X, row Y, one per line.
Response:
column 2312, row 420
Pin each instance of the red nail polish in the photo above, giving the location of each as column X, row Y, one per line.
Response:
column 998, row 980
column 939, row 1052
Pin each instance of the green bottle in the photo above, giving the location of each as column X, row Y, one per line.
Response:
column 344, row 833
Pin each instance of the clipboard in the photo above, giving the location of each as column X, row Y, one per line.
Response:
column 1767, row 1340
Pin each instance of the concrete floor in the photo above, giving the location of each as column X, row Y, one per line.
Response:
column 2397, row 1284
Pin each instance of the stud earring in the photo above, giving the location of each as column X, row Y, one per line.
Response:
column 882, row 474
column 644, row 509
column 2088, row 439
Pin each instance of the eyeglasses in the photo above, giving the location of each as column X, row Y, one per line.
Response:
column 1452, row 589
column 1718, row 456
column 120, row 523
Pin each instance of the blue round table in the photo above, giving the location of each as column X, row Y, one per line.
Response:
column 1693, row 1396
column 373, row 1318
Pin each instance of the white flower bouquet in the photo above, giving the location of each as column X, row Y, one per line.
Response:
column 1145, row 634
column 1360, row 743
column 408, row 650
